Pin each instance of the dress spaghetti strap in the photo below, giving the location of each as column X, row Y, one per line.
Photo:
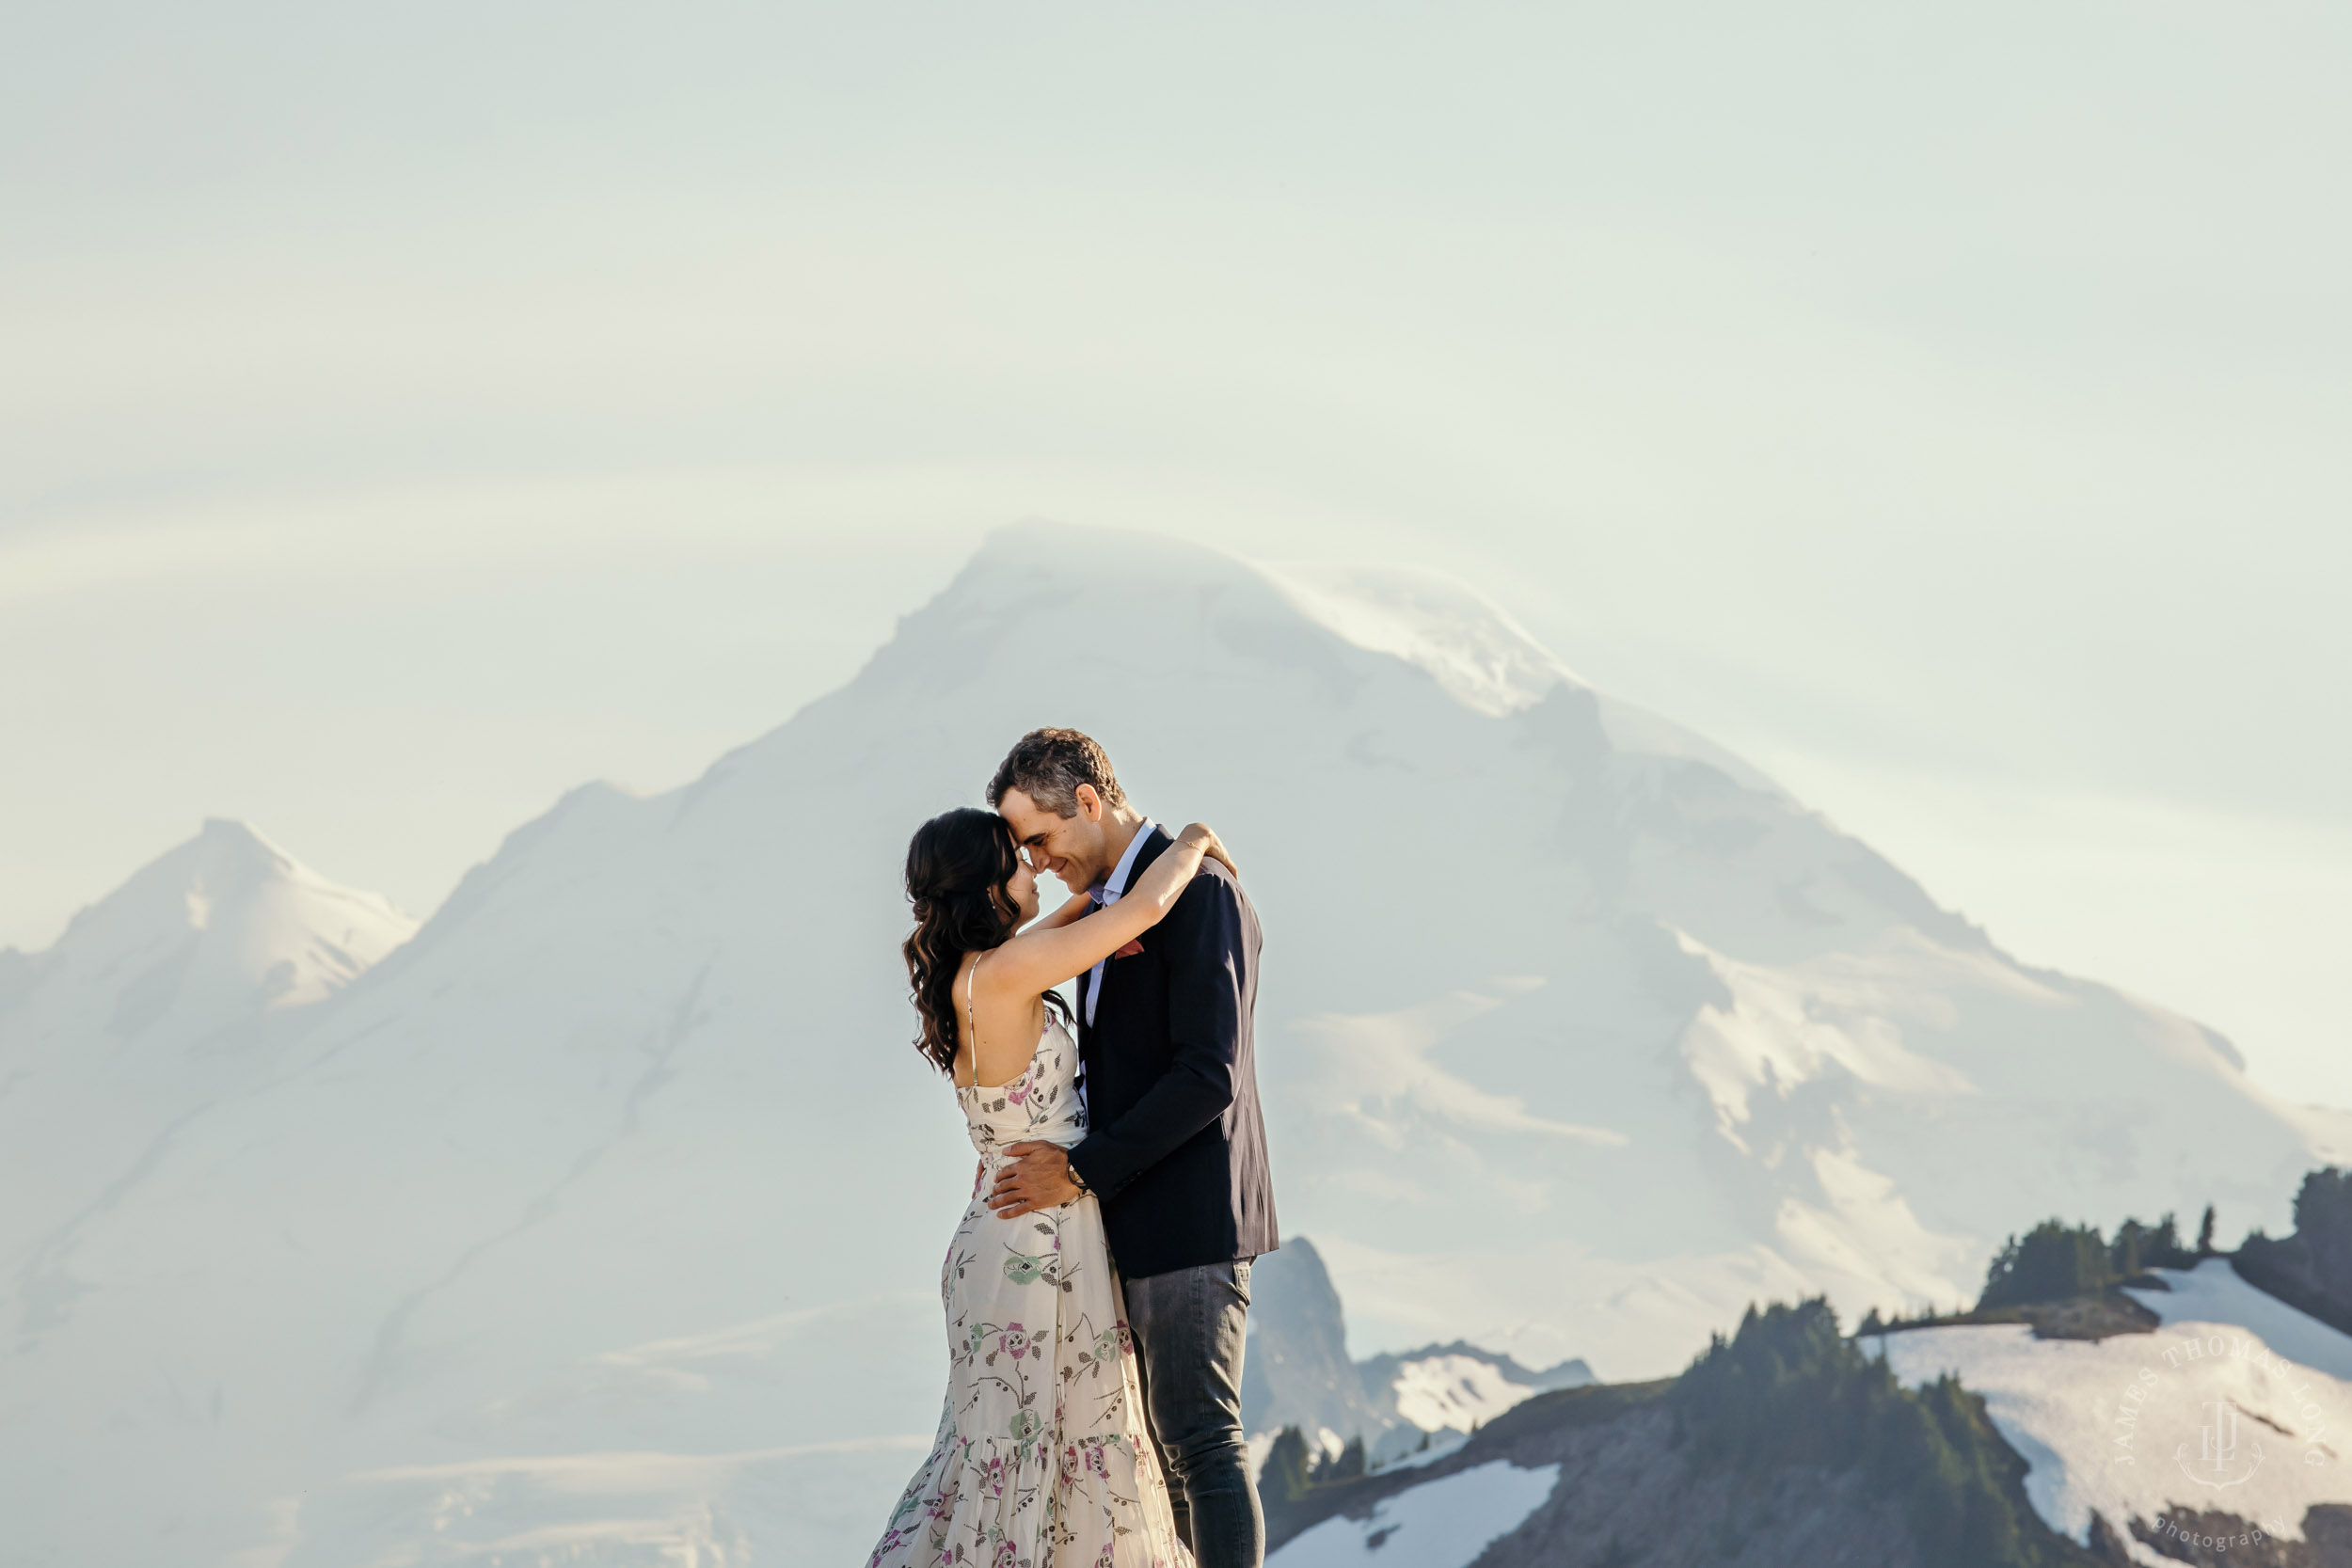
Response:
column 972, row 1018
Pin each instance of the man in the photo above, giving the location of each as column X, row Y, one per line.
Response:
column 1175, row 1148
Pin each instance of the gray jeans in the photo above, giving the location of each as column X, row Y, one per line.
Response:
column 1188, row 1327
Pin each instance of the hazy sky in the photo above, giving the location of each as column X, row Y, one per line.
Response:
column 407, row 413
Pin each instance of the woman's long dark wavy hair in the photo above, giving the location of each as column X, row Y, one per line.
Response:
column 958, row 868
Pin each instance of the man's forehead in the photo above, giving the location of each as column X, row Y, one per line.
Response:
column 1022, row 813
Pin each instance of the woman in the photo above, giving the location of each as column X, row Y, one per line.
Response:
column 1043, row 1459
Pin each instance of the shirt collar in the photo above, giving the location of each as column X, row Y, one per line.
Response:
column 1117, row 886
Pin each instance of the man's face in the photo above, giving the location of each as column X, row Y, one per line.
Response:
column 1069, row 847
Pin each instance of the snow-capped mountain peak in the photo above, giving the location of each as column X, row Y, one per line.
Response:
column 151, row 1007
column 223, row 925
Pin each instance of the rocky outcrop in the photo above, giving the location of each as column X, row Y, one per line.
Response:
column 1296, row 1371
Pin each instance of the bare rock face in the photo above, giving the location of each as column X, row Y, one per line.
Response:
column 1296, row 1371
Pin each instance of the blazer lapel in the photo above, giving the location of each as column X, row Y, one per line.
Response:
column 1154, row 844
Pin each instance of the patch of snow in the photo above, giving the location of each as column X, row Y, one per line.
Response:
column 1439, row 1524
column 1456, row 1392
column 2122, row 1426
column 1440, row 1443
column 2212, row 1292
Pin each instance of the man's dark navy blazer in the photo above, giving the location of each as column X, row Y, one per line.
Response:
column 1177, row 1150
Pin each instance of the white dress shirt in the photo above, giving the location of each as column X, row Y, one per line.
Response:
column 1108, row 894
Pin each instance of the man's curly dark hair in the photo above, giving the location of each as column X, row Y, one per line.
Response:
column 1048, row 766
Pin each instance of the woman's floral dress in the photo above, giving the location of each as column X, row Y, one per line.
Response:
column 1042, row 1460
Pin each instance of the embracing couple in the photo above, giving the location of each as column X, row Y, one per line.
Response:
column 1098, row 1288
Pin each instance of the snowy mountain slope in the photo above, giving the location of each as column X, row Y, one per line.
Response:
column 1460, row 1386
column 166, row 1001
column 2125, row 1427
column 155, row 1001
column 1444, row 1523
column 1478, row 653
column 1574, row 1042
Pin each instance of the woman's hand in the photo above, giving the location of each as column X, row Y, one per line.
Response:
column 1210, row 847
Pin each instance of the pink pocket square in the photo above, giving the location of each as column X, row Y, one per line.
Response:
column 1129, row 951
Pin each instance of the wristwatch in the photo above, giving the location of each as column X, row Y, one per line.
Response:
column 1077, row 1181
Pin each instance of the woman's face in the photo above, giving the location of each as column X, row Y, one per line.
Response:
column 1023, row 890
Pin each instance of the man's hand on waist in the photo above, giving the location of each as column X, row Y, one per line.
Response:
column 1034, row 1176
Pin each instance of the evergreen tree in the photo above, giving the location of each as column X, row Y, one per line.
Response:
column 2312, row 1269
column 2204, row 1234
column 1285, row 1476
column 1788, row 1389
column 2324, row 1203
column 2051, row 1263
column 1346, row 1465
column 2323, row 1223
column 2126, row 1251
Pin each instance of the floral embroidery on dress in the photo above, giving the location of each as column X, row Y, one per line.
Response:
column 1042, row 1459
